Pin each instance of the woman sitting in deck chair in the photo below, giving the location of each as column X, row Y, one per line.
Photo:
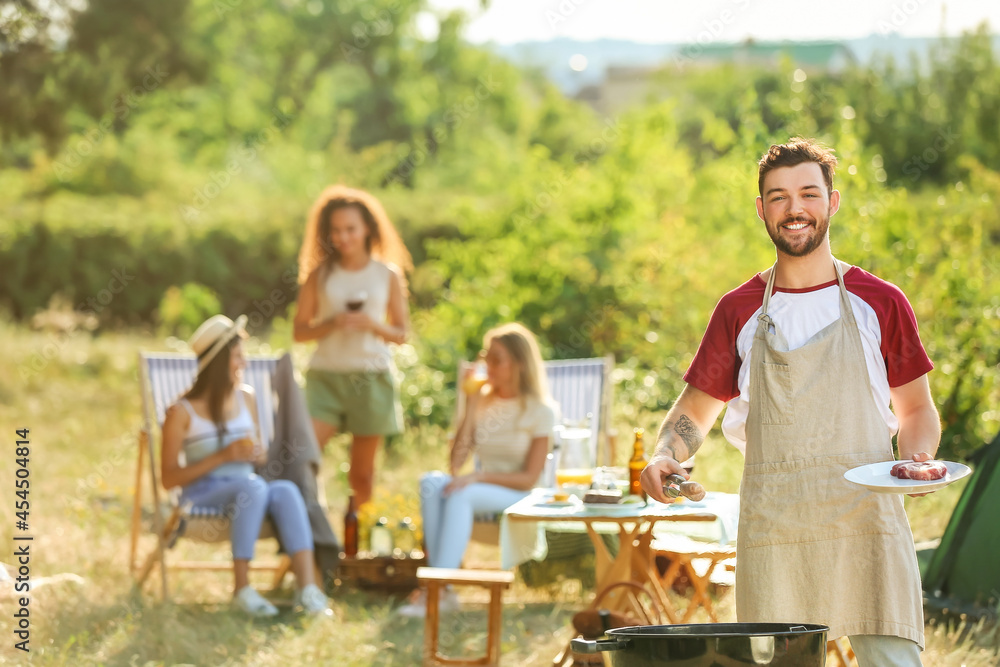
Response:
column 215, row 425
column 509, row 422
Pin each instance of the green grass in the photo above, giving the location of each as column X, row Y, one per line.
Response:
column 78, row 396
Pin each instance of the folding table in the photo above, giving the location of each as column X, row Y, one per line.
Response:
column 522, row 524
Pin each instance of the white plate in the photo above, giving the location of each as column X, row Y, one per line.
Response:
column 556, row 503
column 613, row 509
column 876, row 477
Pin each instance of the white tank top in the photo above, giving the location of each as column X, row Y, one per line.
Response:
column 202, row 438
column 352, row 351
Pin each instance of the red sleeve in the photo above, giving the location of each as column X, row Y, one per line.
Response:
column 903, row 353
column 715, row 368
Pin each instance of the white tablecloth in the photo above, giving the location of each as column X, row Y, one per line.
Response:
column 522, row 540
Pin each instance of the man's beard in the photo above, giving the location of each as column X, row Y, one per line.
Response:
column 820, row 228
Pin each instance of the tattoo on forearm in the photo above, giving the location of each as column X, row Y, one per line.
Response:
column 689, row 433
column 684, row 429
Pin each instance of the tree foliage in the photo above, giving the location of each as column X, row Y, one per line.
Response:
column 181, row 144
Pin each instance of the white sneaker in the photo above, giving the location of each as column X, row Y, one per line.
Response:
column 250, row 602
column 417, row 607
column 311, row 600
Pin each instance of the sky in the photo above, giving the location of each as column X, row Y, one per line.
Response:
column 679, row 21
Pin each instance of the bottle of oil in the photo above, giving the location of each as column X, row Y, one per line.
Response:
column 636, row 465
column 351, row 529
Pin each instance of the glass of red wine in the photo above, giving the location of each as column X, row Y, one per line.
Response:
column 357, row 301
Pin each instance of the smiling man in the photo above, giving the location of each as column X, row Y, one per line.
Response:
column 820, row 364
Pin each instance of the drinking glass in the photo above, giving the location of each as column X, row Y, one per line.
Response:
column 479, row 377
column 357, row 301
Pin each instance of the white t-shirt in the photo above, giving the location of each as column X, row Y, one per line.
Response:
column 505, row 428
column 893, row 352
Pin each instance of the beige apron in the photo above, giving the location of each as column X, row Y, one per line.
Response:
column 813, row 547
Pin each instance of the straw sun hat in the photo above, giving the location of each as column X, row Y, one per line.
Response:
column 213, row 335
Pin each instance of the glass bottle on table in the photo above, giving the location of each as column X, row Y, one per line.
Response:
column 636, row 464
column 351, row 529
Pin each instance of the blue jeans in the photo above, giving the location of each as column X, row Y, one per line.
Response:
column 246, row 500
column 448, row 519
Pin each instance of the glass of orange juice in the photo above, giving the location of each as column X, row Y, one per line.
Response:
column 475, row 381
column 574, row 476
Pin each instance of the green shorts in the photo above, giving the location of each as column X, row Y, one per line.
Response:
column 360, row 403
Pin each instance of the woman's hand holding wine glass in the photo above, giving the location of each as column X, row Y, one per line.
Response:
column 354, row 318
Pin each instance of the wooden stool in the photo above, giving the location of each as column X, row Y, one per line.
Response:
column 843, row 654
column 436, row 577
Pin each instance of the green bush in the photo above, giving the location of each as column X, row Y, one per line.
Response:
column 184, row 308
column 122, row 273
column 604, row 236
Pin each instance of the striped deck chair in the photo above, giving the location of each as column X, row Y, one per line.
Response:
column 163, row 378
column 582, row 390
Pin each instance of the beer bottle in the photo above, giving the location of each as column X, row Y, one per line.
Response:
column 351, row 529
column 636, row 465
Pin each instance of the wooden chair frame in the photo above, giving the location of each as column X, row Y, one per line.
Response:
column 682, row 562
column 163, row 378
column 843, row 654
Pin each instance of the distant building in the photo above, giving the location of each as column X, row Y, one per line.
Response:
column 825, row 56
column 625, row 86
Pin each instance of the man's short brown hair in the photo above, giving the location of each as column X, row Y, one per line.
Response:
column 797, row 151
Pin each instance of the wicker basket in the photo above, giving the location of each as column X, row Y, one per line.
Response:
column 391, row 574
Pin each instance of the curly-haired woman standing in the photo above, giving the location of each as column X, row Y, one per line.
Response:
column 352, row 302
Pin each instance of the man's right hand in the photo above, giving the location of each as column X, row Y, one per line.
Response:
column 681, row 434
column 655, row 474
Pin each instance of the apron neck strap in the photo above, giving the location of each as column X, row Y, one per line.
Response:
column 769, row 289
column 844, row 299
column 840, row 274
